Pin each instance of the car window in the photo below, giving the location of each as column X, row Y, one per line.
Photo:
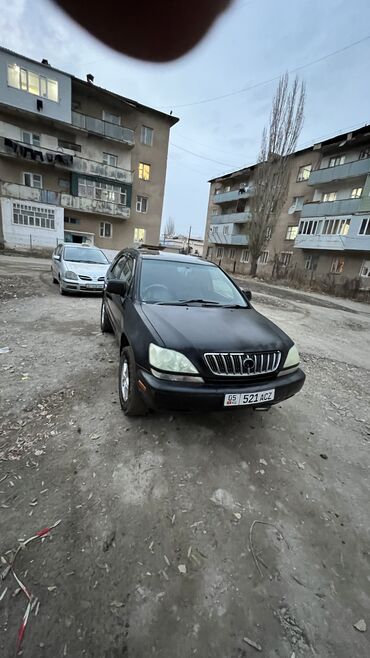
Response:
column 127, row 270
column 177, row 282
column 116, row 269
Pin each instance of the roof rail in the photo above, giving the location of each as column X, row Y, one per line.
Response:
column 153, row 247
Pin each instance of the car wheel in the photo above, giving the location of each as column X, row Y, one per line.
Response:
column 61, row 289
column 105, row 323
column 131, row 401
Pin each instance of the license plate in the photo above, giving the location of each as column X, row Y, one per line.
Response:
column 93, row 285
column 241, row 399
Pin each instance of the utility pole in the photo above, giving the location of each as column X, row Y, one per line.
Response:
column 189, row 240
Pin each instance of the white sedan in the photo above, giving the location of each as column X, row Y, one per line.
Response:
column 78, row 268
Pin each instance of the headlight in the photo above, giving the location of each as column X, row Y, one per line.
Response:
column 170, row 360
column 71, row 275
column 292, row 358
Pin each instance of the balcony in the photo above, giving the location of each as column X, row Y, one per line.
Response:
column 62, row 160
column 85, row 204
column 25, row 193
column 333, row 242
column 327, row 208
column 233, row 195
column 233, row 236
column 340, row 172
column 103, row 128
column 234, row 218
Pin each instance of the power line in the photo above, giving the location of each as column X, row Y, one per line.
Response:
column 265, row 82
column 203, row 157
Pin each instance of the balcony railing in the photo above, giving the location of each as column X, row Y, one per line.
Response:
column 327, row 208
column 105, row 128
column 340, row 172
column 62, row 160
column 233, row 195
column 234, row 237
column 85, row 204
column 333, row 242
column 25, row 193
column 234, row 218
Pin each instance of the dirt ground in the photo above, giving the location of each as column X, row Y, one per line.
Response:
column 137, row 499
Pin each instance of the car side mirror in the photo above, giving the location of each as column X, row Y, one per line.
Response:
column 56, row 257
column 117, row 287
column 247, row 294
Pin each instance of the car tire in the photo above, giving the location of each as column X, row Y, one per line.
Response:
column 105, row 323
column 61, row 289
column 130, row 399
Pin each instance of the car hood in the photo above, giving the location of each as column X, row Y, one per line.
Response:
column 207, row 329
column 88, row 269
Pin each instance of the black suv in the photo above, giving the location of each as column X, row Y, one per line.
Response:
column 189, row 337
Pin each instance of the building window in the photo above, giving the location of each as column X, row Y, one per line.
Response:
column 337, row 265
column 146, row 136
column 263, row 257
column 329, row 196
column 337, row 160
column 111, row 118
column 244, row 258
column 33, row 83
column 139, row 234
column 144, row 171
column 69, row 145
column 63, row 184
column 32, row 180
column 96, row 189
column 356, row 193
column 324, row 227
column 291, row 233
column 209, row 252
column 365, row 226
column 285, row 258
column 268, row 233
column 110, row 159
column 214, row 211
column 141, row 203
column 308, row 263
column 304, row 173
column 72, row 220
column 227, row 188
column 219, row 252
column 231, row 253
column 365, row 153
column 297, row 203
column 365, row 269
column 28, row 215
column 30, row 138
column 106, row 230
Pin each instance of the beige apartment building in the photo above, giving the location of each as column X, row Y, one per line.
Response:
column 324, row 226
column 78, row 163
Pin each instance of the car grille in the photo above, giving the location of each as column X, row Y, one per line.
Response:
column 242, row 364
column 101, row 278
column 83, row 277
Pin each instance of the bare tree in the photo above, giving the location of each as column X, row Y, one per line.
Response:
column 169, row 229
column 271, row 174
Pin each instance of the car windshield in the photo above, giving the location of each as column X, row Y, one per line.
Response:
column 84, row 255
column 181, row 283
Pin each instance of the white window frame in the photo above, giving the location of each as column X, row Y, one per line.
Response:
column 365, row 269
column 244, row 256
column 33, row 177
column 219, row 252
column 101, row 191
column 231, row 253
column 337, row 160
column 110, row 159
column 137, row 238
column 308, row 262
column 290, row 230
column 144, row 133
column 329, row 197
column 141, row 167
column 33, row 138
column 27, row 214
column 357, row 192
column 102, row 230
column 264, row 257
column 46, row 87
column 365, row 222
column 139, row 203
column 335, row 263
column 301, row 176
column 107, row 116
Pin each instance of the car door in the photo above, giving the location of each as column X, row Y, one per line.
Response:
column 55, row 261
column 122, row 271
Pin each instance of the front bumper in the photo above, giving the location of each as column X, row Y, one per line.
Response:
column 82, row 286
column 161, row 394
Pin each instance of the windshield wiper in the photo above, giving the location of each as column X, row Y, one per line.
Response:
column 185, row 302
column 233, row 306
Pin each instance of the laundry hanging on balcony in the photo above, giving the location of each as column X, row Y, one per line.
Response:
column 38, row 156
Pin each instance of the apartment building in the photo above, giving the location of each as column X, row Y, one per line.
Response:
column 324, row 226
column 78, row 163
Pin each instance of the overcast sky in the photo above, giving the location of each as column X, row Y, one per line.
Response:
column 254, row 41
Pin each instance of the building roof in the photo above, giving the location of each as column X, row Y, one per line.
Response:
column 123, row 99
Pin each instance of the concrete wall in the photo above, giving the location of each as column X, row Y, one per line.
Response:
column 25, row 237
column 24, row 100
